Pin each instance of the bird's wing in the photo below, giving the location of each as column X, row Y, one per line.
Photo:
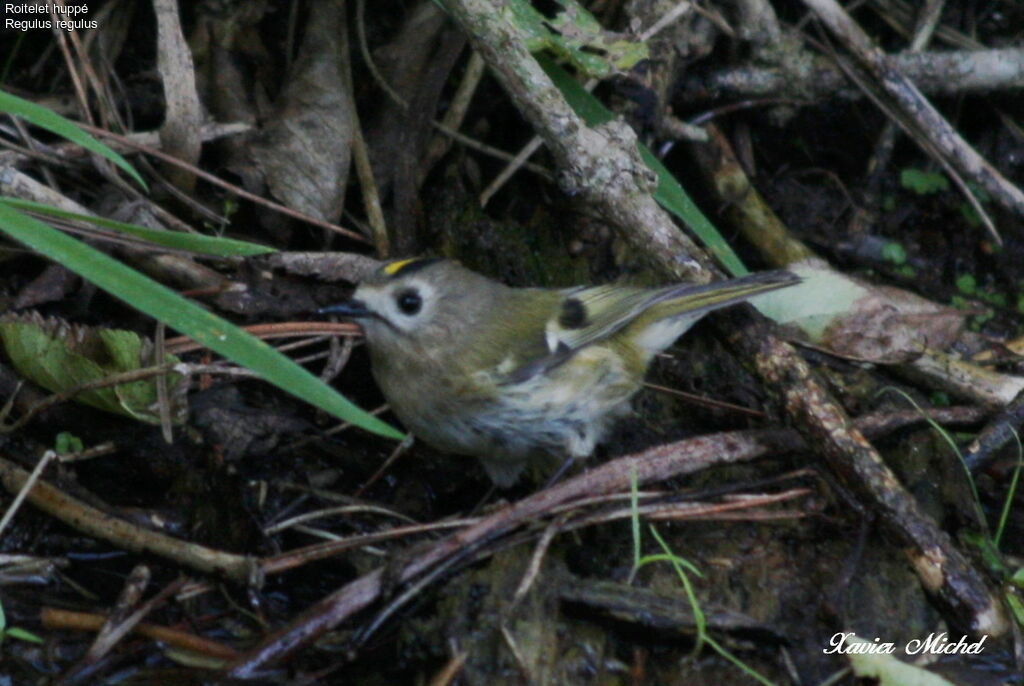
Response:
column 585, row 315
column 589, row 314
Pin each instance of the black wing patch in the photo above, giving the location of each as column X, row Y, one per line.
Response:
column 574, row 314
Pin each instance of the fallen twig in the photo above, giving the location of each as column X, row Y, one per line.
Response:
column 654, row 465
column 53, row 618
column 125, row 535
column 105, row 382
column 1000, row 430
column 184, row 344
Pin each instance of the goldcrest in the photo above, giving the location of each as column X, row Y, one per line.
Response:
column 474, row 367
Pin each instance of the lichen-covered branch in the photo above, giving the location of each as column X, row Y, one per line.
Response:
column 600, row 164
column 957, row 72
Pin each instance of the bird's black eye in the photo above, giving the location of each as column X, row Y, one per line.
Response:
column 409, row 302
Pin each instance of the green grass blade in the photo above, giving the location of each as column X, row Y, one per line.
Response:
column 51, row 121
column 740, row 664
column 1011, row 492
column 192, row 242
column 634, row 520
column 945, row 435
column 204, row 327
column 23, row 635
column 681, row 565
column 670, row 193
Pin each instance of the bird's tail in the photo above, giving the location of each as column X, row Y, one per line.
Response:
column 674, row 309
column 687, row 298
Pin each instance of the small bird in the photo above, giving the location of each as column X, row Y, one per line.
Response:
column 474, row 367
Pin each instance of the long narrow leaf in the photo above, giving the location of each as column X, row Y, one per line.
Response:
column 167, row 306
column 51, row 121
column 669, row 193
column 197, row 243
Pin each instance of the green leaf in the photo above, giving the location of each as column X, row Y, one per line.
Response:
column 967, row 283
column 970, row 215
column 60, row 357
column 205, row 328
column 23, row 635
column 575, row 34
column 51, row 121
column 670, row 193
column 894, row 252
column 197, row 243
column 922, row 182
column 979, row 193
column 66, row 442
column 1018, row 577
column 987, row 550
column 997, row 299
column 1016, row 607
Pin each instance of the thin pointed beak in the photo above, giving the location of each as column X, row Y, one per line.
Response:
column 352, row 309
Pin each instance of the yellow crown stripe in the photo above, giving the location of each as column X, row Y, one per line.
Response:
column 395, row 267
